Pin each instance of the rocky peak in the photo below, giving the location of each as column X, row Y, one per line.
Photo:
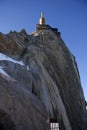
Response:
column 45, row 87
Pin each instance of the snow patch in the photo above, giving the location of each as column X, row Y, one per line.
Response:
column 5, row 75
column 36, row 34
column 28, row 68
column 4, row 57
column 7, row 58
column 2, row 71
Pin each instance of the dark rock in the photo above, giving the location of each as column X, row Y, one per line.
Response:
column 21, row 106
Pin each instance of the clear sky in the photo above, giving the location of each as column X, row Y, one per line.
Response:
column 69, row 16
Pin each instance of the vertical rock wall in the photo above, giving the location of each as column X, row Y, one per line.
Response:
column 47, row 86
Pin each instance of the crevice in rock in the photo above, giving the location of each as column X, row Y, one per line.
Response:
column 6, row 122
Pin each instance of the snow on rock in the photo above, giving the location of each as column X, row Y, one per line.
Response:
column 36, row 34
column 4, row 57
column 2, row 71
column 28, row 68
column 5, row 75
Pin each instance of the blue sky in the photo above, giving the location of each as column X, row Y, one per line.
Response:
column 69, row 16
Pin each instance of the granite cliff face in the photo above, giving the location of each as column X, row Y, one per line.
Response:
column 46, row 87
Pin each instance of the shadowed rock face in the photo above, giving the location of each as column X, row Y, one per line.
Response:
column 47, row 87
column 21, row 107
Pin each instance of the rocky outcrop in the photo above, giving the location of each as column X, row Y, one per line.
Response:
column 12, row 44
column 47, row 86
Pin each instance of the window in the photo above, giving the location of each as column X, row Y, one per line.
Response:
column 54, row 125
